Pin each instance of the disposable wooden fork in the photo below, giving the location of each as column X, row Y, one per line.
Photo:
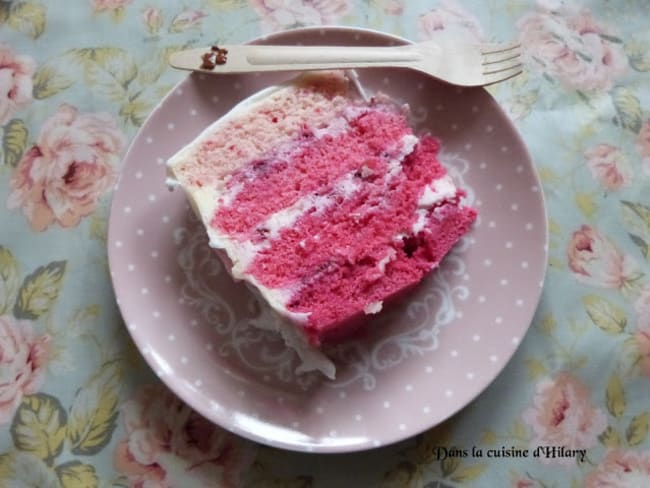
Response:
column 460, row 64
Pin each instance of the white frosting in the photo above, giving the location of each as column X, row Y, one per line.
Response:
column 172, row 182
column 436, row 191
column 373, row 307
column 312, row 359
column 421, row 220
column 347, row 186
column 390, row 256
column 406, row 144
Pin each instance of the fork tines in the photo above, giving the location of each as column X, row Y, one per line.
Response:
column 501, row 61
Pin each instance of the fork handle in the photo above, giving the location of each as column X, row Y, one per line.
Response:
column 247, row 58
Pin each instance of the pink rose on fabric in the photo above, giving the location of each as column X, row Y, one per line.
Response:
column 621, row 469
column 281, row 14
column 186, row 19
column 169, row 445
column 23, row 357
column 152, row 19
column 60, row 179
column 449, row 20
column 16, row 73
column 609, row 166
column 562, row 415
column 103, row 5
column 643, row 146
column 572, row 47
column 596, row 261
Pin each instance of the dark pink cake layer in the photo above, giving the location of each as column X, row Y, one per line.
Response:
column 276, row 182
column 335, row 257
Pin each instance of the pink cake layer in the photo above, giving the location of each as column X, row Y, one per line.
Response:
column 273, row 183
column 334, row 257
column 327, row 204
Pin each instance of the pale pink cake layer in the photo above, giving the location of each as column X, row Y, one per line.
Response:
column 248, row 136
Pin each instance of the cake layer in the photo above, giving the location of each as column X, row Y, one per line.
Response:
column 267, row 185
column 252, row 129
column 365, row 246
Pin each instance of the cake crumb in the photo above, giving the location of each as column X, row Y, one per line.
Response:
column 215, row 56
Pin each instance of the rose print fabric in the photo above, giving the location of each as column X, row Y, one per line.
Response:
column 16, row 73
column 73, row 162
column 79, row 407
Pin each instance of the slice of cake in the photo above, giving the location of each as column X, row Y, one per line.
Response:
column 326, row 204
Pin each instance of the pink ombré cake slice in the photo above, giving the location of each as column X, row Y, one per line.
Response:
column 326, row 204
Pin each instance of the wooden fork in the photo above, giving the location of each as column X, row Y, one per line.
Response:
column 460, row 64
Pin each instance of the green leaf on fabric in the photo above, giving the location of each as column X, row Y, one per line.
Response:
column 396, row 477
column 48, row 81
column 489, row 437
column 636, row 219
column 93, row 413
column 628, row 108
column 614, row 39
column 468, row 473
column 586, row 203
column 637, row 431
column 9, row 279
column 151, row 71
column 610, row 438
column 117, row 14
column 14, row 141
column 519, row 431
column 107, row 69
column 536, row 368
column 641, row 244
column 615, row 396
column 609, row 317
column 28, row 18
column 583, row 96
column 549, row 324
column 39, row 291
column 4, row 11
column 225, row 5
column 23, row 470
column 637, row 55
column 449, row 465
column 75, row 474
column 135, row 112
column 39, row 427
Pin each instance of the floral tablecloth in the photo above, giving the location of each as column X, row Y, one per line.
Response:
column 79, row 407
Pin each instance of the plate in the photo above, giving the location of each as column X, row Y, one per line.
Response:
column 424, row 358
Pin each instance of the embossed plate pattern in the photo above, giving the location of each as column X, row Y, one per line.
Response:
column 426, row 357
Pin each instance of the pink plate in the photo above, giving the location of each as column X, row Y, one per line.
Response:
column 426, row 357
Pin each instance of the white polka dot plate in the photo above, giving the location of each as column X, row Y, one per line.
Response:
column 425, row 357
